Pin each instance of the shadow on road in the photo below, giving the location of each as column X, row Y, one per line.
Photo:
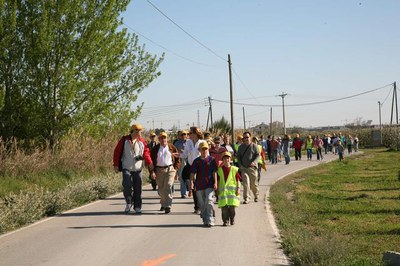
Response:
column 147, row 212
column 138, row 226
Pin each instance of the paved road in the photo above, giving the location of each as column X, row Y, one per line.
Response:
column 99, row 234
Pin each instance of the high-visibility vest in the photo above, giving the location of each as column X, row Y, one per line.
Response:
column 227, row 191
column 260, row 161
column 309, row 144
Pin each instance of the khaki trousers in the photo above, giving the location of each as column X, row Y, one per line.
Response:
column 249, row 177
column 165, row 179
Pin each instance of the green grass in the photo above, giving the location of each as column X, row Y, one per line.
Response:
column 341, row 213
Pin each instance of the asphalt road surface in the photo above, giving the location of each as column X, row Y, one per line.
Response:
column 100, row 234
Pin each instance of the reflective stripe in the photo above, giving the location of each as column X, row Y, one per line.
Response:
column 227, row 191
column 229, row 197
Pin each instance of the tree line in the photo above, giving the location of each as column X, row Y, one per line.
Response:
column 68, row 64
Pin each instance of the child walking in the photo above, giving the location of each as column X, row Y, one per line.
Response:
column 340, row 149
column 228, row 189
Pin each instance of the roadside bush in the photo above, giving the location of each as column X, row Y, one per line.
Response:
column 18, row 209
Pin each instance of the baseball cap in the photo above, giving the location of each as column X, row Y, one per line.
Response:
column 136, row 127
column 227, row 153
column 163, row 134
column 203, row 145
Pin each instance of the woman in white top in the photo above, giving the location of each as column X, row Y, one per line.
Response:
column 191, row 152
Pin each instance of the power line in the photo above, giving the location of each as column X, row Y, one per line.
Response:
column 187, row 33
column 254, row 98
column 311, row 103
column 168, row 50
column 387, row 96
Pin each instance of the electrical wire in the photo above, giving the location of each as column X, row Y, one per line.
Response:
column 187, row 33
column 168, row 50
column 305, row 104
column 386, row 97
column 240, row 80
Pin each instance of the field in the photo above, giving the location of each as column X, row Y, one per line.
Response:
column 341, row 213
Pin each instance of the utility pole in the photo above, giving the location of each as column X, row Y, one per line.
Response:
column 283, row 108
column 231, row 97
column 270, row 122
column 209, row 101
column 198, row 118
column 244, row 119
column 380, row 120
column 394, row 101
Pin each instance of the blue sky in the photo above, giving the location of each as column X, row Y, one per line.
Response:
column 312, row 50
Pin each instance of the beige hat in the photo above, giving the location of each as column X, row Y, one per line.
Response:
column 152, row 134
column 163, row 134
column 203, row 145
column 137, row 127
column 227, row 153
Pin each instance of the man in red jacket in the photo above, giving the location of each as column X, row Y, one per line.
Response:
column 130, row 156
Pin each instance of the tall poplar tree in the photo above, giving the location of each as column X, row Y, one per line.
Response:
column 68, row 64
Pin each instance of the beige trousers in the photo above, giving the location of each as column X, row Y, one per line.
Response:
column 165, row 179
column 249, row 177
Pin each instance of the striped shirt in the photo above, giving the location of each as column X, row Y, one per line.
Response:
column 204, row 168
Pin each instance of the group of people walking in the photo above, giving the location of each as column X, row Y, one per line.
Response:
column 209, row 169
column 204, row 167
column 336, row 144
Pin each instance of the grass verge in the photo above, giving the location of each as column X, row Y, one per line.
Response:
column 341, row 213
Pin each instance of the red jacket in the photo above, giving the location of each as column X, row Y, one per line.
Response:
column 297, row 143
column 119, row 148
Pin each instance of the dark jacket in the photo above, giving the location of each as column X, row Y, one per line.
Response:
column 172, row 149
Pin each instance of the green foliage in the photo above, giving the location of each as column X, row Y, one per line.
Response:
column 67, row 65
column 340, row 214
column 222, row 126
column 19, row 209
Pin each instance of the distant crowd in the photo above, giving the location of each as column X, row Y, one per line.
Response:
column 210, row 168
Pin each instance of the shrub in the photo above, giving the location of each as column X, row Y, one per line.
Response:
column 18, row 209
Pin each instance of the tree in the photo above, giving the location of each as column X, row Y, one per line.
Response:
column 68, row 64
column 222, row 125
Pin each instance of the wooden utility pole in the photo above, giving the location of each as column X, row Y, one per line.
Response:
column 380, row 120
column 244, row 119
column 231, row 96
column 283, row 107
column 270, row 122
column 209, row 101
column 394, row 102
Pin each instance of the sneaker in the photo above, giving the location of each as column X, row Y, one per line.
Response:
column 245, row 202
column 225, row 224
column 197, row 212
column 128, row 208
column 138, row 210
column 232, row 221
column 162, row 209
column 167, row 210
column 256, row 199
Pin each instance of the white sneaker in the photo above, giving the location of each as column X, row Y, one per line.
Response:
column 138, row 210
column 128, row 208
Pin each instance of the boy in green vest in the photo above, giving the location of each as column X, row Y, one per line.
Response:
column 228, row 189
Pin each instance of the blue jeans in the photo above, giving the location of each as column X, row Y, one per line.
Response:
column 287, row 158
column 309, row 154
column 132, row 187
column 205, row 201
column 184, row 183
column 274, row 159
